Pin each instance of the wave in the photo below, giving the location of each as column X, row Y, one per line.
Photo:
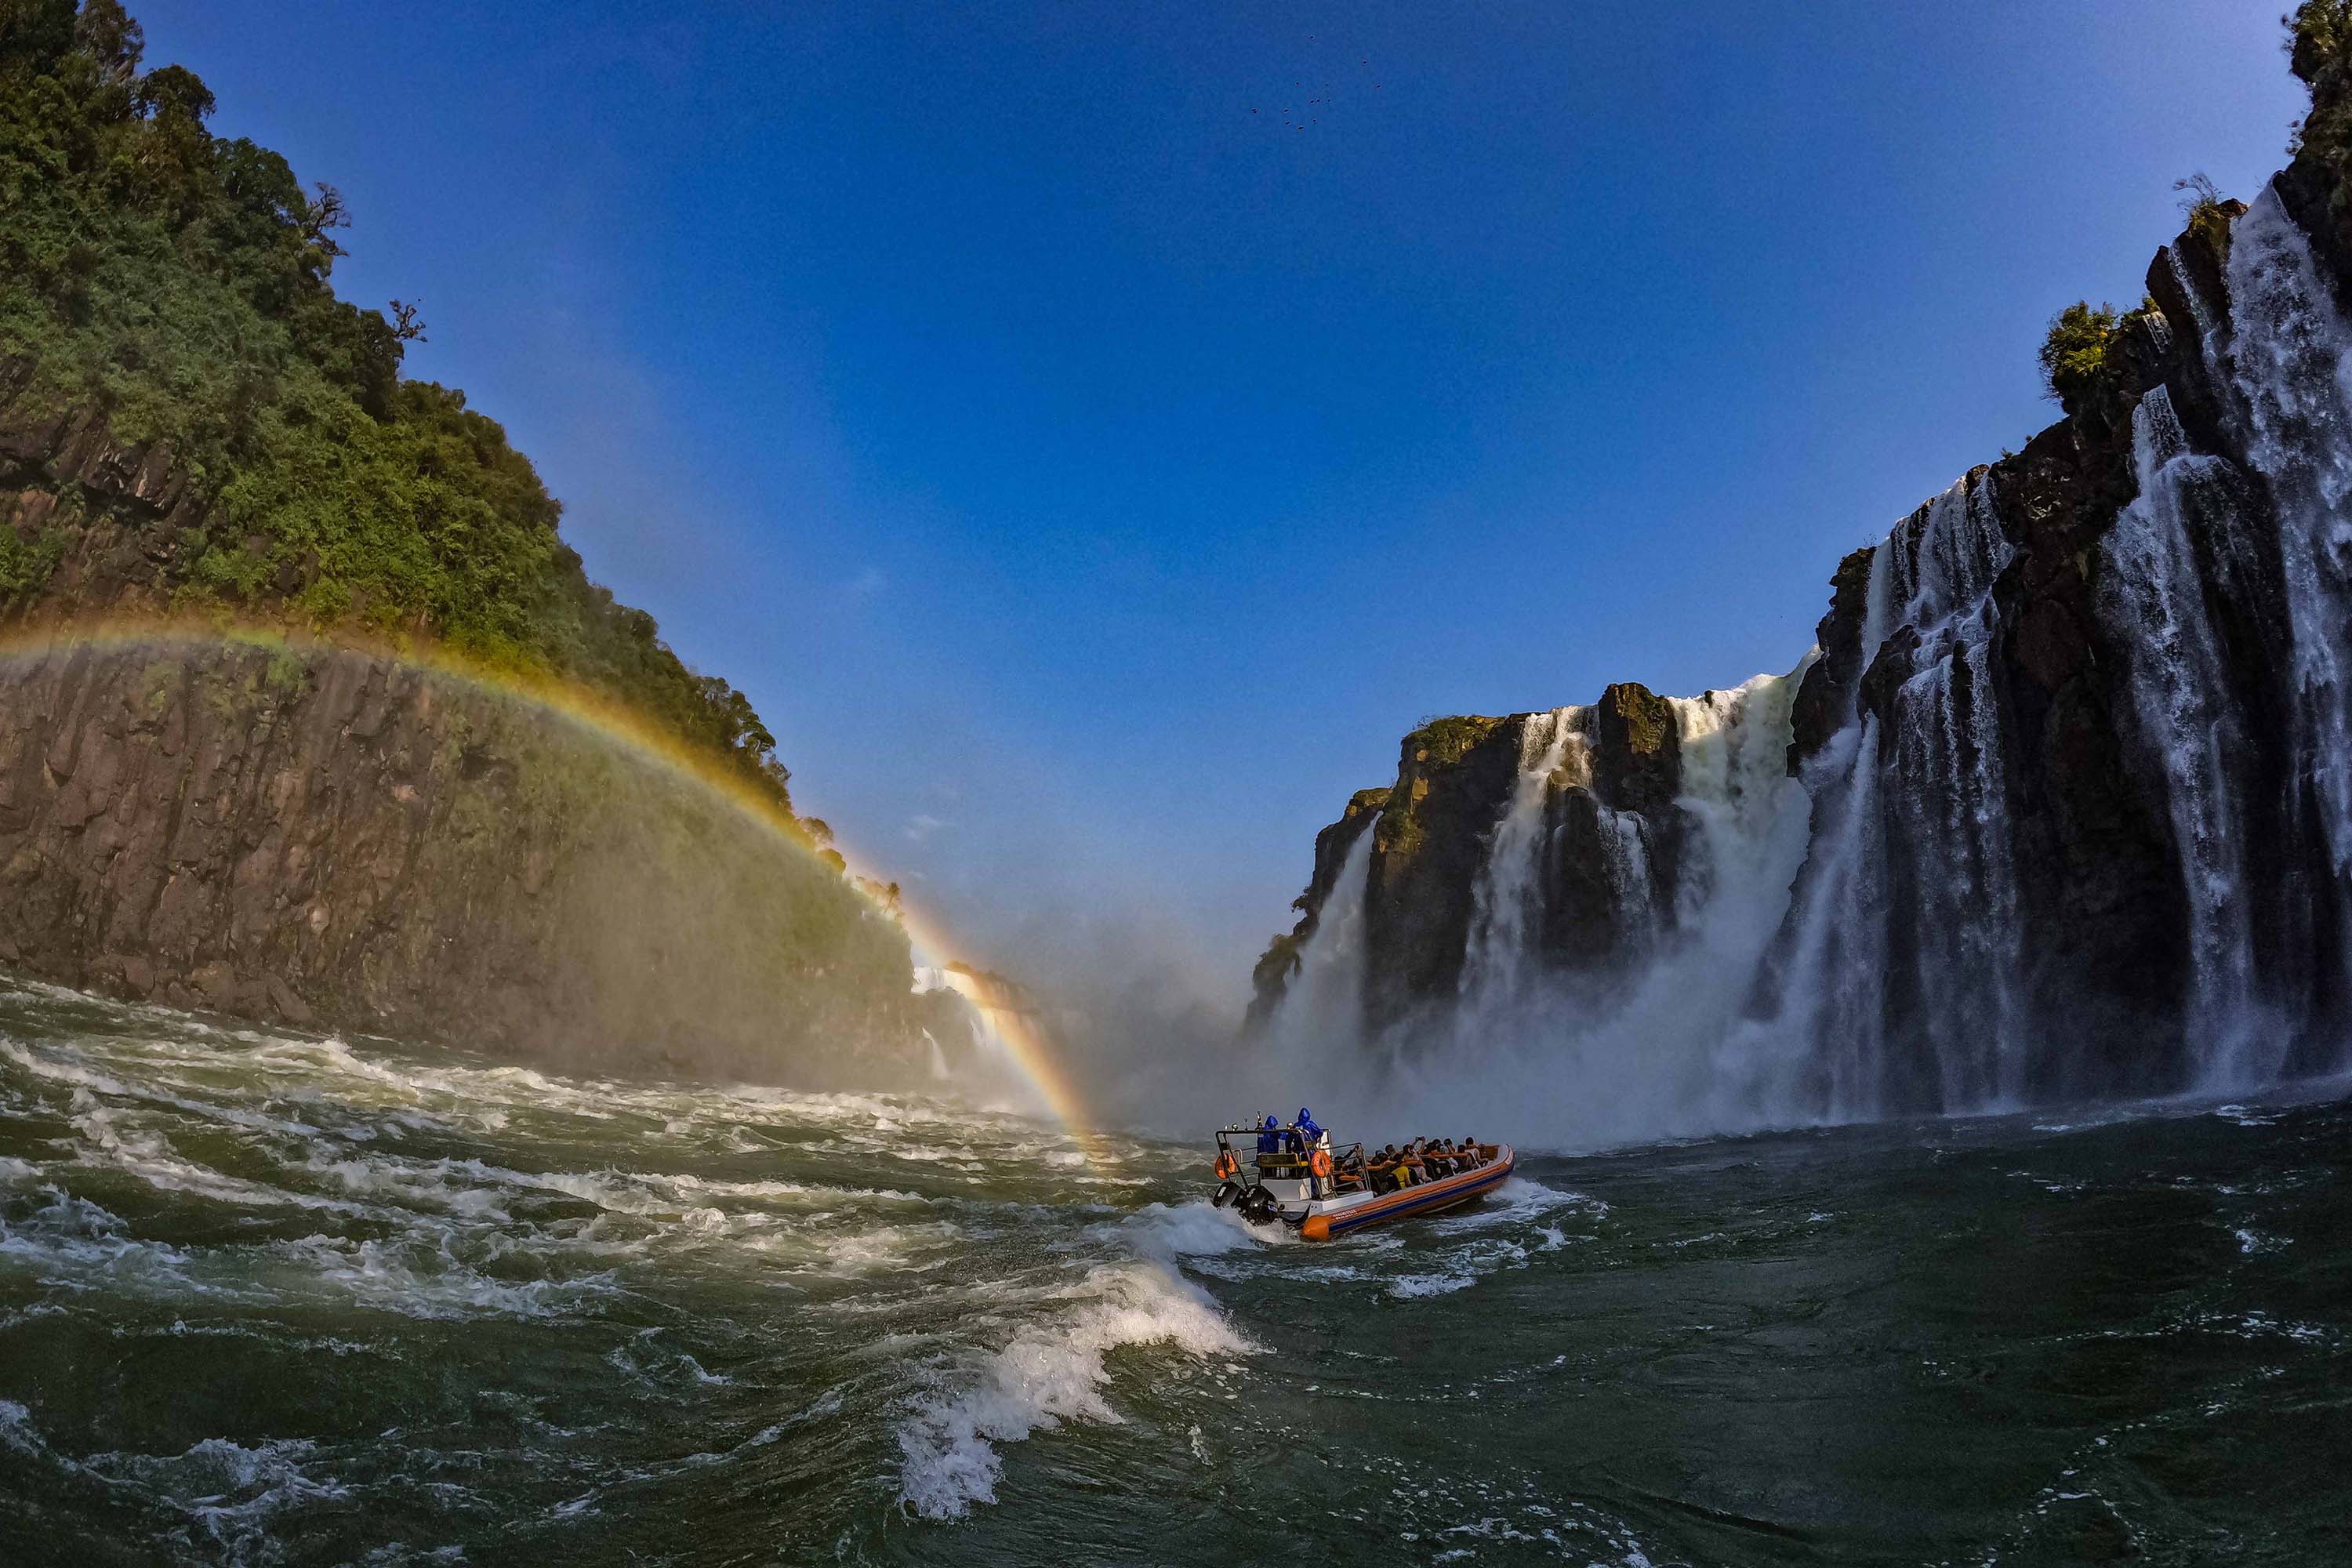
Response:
column 1049, row 1373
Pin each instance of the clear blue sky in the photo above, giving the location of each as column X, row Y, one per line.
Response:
column 1090, row 473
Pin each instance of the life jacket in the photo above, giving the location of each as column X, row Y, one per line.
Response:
column 1226, row 1164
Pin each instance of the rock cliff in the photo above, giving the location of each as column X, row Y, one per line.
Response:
column 331, row 824
column 2068, row 813
column 337, row 839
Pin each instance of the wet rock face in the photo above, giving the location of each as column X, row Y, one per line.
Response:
column 2098, row 885
column 337, row 840
column 2071, row 778
column 1826, row 697
column 1453, row 780
column 1611, row 827
column 1637, row 750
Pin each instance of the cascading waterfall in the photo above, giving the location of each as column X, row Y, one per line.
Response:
column 2154, row 590
column 2290, row 365
column 1906, row 923
column 1827, row 1034
column 1854, row 941
column 1325, row 1001
column 1652, row 1035
column 1735, row 785
column 1507, row 899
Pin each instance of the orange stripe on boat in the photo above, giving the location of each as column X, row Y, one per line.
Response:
column 1420, row 1198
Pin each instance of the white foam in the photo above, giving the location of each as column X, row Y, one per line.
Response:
column 1049, row 1372
column 227, row 1489
column 1517, row 1200
column 1196, row 1229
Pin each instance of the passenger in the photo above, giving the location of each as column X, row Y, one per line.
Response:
column 1269, row 1139
column 1415, row 1169
column 1445, row 1160
column 1308, row 1129
column 1477, row 1150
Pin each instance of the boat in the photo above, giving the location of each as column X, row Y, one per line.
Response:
column 1318, row 1190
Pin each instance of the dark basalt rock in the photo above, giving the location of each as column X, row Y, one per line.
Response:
column 1454, row 779
column 337, row 838
column 1592, row 921
column 1637, row 750
column 330, row 837
column 2102, row 907
column 1825, row 699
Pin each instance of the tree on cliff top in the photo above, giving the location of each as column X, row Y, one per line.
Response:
column 2074, row 354
column 177, row 284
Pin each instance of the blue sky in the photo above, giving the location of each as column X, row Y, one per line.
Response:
column 1093, row 434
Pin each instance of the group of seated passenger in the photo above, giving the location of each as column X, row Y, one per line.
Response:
column 1424, row 1160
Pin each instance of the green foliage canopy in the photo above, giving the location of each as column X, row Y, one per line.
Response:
column 2077, row 354
column 176, row 283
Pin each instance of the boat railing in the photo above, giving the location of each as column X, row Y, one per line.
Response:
column 1292, row 1161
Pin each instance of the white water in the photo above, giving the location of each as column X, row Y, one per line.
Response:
column 1322, row 1011
column 1508, row 898
column 2187, row 724
column 879, row 1295
column 1852, row 945
column 1547, row 1054
column 2290, row 366
column 1921, row 879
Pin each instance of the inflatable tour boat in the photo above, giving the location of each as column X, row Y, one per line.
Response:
column 1323, row 1193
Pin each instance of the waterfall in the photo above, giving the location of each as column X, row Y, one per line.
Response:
column 1907, row 926
column 1324, row 1003
column 1508, row 898
column 1831, row 1028
column 1651, row 1029
column 2288, row 365
column 2155, row 592
column 1859, row 941
column 1735, row 781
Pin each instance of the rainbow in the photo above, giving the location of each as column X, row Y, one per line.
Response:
column 1033, row 1055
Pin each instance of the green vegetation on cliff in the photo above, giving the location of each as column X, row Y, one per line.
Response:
column 1446, row 740
column 2319, row 51
column 175, row 284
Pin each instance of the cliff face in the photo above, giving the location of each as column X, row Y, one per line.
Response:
column 336, row 840
column 195, row 430
column 341, row 840
column 1452, row 778
column 2066, row 810
column 1595, row 788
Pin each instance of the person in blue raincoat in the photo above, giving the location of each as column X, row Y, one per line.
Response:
column 1269, row 1140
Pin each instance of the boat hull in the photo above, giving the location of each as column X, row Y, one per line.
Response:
column 1335, row 1217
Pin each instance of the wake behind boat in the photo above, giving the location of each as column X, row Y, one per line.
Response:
column 1291, row 1174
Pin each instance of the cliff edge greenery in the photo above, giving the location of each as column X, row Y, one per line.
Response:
column 175, row 285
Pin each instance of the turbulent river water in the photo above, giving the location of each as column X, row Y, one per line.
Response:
column 267, row 1299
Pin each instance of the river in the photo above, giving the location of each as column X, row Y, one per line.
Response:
column 267, row 1297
